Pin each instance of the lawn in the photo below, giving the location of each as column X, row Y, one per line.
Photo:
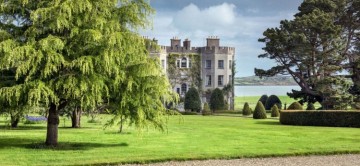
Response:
column 186, row 137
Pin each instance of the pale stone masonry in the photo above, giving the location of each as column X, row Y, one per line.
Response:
column 216, row 63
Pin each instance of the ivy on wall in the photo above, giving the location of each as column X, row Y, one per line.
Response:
column 193, row 73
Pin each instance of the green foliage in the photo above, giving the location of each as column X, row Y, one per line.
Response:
column 192, row 100
column 217, row 100
column 263, row 99
column 321, row 118
column 246, row 109
column 310, row 106
column 206, row 110
column 295, row 106
column 275, row 111
column 85, row 51
column 271, row 101
column 194, row 71
column 313, row 48
column 259, row 112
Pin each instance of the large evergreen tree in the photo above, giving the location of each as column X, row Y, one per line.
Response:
column 192, row 100
column 312, row 48
column 86, row 51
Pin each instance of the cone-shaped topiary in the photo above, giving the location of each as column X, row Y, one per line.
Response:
column 259, row 112
column 246, row 110
column 295, row 106
column 217, row 100
column 275, row 111
column 273, row 99
column 192, row 100
column 310, row 106
column 206, row 110
column 263, row 99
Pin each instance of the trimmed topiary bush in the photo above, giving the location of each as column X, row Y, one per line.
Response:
column 263, row 99
column 246, row 110
column 295, row 106
column 259, row 112
column 275, row 111
column 217, row 100
column 192, row 100
column 321, row 118
column 206, row 110
column 310, row 106
column 271, row 101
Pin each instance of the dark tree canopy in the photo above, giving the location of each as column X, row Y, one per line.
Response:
column 313, row 48
column 217, row 100
column 192, row 100
column 271, row 101
column 263, row 99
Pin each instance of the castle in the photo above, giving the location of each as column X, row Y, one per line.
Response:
column 206, row 67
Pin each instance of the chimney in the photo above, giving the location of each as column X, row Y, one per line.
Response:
column 213, row 41
column 187, row 44
column 175, row 42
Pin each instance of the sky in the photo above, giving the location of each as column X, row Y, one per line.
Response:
column 238, row 23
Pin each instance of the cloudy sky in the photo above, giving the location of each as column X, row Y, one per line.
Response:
column 238, row 23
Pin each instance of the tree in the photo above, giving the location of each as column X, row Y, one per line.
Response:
column 85, row 51
column 217, row 100
column 295, row 106
column 192, row 100
column 311, row 49
column 271, row 101
column 263, row 99
column 310, row 106
column 246, row 109
column 259, row 112
column 275, row 111
column 206, row 110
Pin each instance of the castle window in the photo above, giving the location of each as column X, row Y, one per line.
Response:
column 189, row 63
column 208, row 80
column 230, row 64
column 208, row 64
column 221, row 64
column 178, row 63
column 183, row 62
column 183, row 88
column 220, row 80
column 163, row 64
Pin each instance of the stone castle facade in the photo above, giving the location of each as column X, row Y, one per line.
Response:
column 214, row 65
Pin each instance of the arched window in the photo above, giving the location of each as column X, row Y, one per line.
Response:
column 183, row 62
column 183, row 88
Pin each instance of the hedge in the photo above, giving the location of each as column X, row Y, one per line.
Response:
column 321, row 118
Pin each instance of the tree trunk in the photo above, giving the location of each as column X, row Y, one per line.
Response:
column 52, row 126
column 121, row 124
column 14, row 121
column 75, row 118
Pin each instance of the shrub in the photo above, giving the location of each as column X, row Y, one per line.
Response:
column 206, row 110
column 263, row 99
column 246, row 110
column 310, row 106
column 259, row 112
column 192, row 100
column 295, row 106
column 217, row 100
column 188, row 113
column 271, row 101
column 275, row 111
column 321, row 118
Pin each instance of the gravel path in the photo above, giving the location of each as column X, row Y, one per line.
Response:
column 333, row 160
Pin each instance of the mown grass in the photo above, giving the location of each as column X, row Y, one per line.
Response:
column 186, row 137
column 252, row 100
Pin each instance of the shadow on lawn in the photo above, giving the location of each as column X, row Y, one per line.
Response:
column 269, row 123
column 9, row 142
column 23, row 127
